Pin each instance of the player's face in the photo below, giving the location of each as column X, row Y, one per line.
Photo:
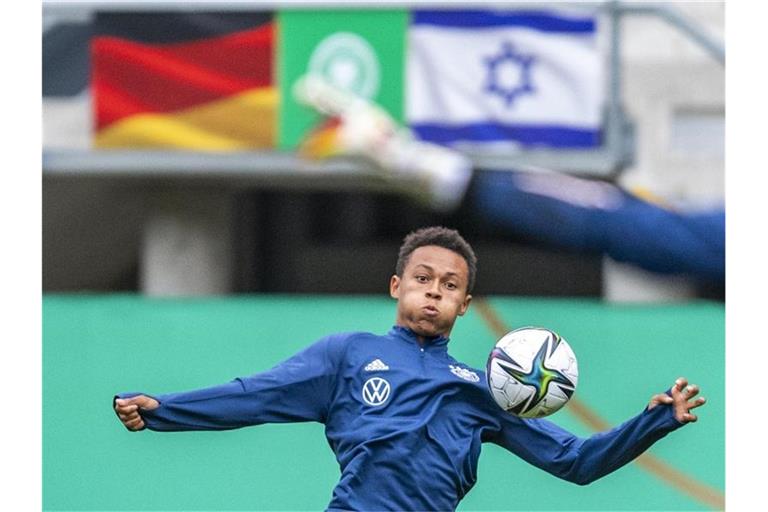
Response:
column 432, row 291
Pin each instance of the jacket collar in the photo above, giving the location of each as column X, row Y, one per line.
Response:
column 411, row 337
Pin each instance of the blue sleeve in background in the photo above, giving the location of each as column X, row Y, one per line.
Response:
column 297, row 389
column 594, row 216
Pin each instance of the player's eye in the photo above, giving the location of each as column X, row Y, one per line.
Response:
column 422, row 278
column 450, row 285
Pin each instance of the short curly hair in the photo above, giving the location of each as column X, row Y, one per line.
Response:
column 442, row 237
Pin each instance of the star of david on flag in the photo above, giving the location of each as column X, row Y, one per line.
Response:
column 524, row 78
column 522, row 83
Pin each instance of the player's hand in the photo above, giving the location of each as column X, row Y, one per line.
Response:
column 681, row 400
column 127, row 410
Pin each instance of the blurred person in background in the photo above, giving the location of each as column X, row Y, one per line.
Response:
column 553, row 208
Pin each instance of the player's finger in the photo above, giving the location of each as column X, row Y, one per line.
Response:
column 144, row 402
column 134, row 400
column 661, row 398
column 130, row 417
column 135, row 424
column 690, row 418
column 697, row 403
column 122, row 402
column 680, row 383
column 127, row 409
column 690, row 391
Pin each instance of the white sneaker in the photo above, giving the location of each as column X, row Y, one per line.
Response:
column 367, row 130
column 444, row 173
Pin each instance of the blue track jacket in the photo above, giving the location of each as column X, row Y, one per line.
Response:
column 405, row 421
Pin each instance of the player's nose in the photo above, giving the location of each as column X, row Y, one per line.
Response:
column 434, row 291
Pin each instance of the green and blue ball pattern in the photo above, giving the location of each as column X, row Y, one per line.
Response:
column 532, row 372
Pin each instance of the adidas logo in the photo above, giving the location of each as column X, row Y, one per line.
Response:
column 375, row 365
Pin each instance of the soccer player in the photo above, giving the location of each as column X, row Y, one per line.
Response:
column 405, row 419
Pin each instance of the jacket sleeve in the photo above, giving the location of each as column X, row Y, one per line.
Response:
column 584, row 460
column 297, row 389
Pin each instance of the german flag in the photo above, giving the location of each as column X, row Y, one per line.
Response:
column 178, row 80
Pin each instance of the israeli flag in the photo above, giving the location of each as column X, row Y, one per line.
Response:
column 525, row 78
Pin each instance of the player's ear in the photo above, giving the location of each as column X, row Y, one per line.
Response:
column 465, row 305
column 394, row 287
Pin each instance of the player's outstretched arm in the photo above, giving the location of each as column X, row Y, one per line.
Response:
column 584, row 460
column 606, row 452
column 128, row 410
column 298, row 389
column 681, row 398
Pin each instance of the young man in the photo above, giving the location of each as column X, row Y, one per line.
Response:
column 403, row 417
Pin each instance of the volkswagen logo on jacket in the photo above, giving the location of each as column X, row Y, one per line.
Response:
column 376, row 391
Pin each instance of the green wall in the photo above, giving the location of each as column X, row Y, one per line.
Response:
column 96, row 345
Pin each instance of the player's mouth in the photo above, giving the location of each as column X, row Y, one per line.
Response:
column 430, row 310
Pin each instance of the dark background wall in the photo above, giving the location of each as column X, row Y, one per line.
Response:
column 288, row 241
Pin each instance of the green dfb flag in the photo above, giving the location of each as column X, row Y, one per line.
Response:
column 361, row 51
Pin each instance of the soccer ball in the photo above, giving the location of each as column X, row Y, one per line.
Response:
column 532, row 372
